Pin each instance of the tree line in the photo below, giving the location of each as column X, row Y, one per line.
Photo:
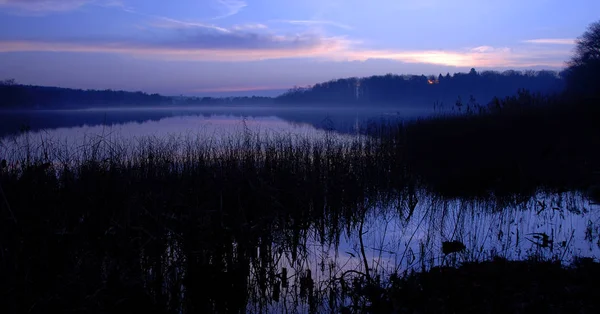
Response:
column 421, row 89
column 390, row 89
column 14, row 95
column 18, row 96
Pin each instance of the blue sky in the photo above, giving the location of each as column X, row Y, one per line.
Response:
column 249, row 46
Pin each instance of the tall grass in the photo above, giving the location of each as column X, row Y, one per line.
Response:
column 177, row 224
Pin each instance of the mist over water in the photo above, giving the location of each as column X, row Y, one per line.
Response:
column 323, row 117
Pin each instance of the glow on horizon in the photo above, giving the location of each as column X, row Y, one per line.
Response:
column 208, row 34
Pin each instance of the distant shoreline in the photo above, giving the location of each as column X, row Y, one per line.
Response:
column 389, row 90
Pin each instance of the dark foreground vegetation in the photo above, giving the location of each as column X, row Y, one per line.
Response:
column 520, row 144
column 113, row 232
column 498, row 286
column 181, row 226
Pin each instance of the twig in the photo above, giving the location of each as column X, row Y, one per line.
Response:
column 353, row 271
column 567, row 245
column 362, row 248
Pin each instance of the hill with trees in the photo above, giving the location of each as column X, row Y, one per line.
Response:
column 17, row 96
column 401, row 90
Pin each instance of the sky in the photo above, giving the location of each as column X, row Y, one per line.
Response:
column 220, row 47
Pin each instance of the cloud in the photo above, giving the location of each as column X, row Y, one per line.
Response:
column 158, row 21
column 249, row 26
column 487, row 49
column 194, row 44
column 172, row 39
column 229, row 8
column 315, row 23
column 483, row 56
column 184, row 40
column 44, row 6
column 551, row 41
column 165, row 22
column 237, row 46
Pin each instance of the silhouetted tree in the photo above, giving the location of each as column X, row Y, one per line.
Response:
column 584, row 66
column 8, row 82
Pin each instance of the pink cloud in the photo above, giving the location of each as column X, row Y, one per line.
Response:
column 317, row 49
column 235, row 46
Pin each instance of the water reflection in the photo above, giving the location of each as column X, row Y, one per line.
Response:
column 342, row 119
column 209, row 132
column 487, row 229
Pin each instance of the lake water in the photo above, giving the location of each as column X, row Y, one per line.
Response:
column 337, row 118
column 73, row 129
column 554, row 226
column 396, row 242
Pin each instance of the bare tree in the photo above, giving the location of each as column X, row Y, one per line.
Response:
column 587, row 50
column 583, row 74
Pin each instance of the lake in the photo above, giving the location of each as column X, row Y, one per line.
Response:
column 337, row 118
column 402, row 231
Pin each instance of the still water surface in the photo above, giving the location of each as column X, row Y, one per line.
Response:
column 339, row 118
